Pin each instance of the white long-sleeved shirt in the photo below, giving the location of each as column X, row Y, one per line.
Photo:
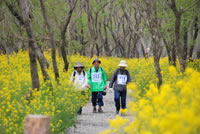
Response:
column 80, row 81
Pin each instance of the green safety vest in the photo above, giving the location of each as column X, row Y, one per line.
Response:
column 97, row 80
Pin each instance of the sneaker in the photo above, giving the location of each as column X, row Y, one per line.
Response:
column 100, row 110
column 79, row 111
column 94, row 110
column 117, row 111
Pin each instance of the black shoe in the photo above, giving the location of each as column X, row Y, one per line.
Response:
column 117, row 112
column 94, row 110
column 100, row 110
column 80, row 111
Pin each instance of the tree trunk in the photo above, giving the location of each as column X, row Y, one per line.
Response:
column 179, row 47
column 32, row 55
column 83, row 51
column 32, row 58
column 196, row 30
column 173, row 54
column 117, row 42
column 198, row 55
column 156, row 56
column 106, row 45
column 156, row 37
column 63, row 34
column 129, row 47
column 135, row 52
column 37, row 124
column 168, row 51
column 64, row 55
column 34, row 51
column 97, row 49
column 135, row 30
column 92, row 25
column 185, row 39
column 158, row 71
column 43, row 63
column 27, row 19
column 53, row 44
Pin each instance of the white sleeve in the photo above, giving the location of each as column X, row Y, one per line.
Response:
column 85, row 81
column 71, row 78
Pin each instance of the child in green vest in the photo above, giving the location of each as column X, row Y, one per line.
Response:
column 97, row 82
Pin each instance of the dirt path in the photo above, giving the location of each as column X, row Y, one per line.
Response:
column 94, row 123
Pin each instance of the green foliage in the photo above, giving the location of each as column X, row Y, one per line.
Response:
column 82, row 24
column 75, row 45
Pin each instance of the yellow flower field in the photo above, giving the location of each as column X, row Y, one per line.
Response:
column 153, row 111
column 174, row 109
column 15, row 80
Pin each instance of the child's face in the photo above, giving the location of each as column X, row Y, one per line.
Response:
column 96, row 64
column 122, row 68
column 78, row 69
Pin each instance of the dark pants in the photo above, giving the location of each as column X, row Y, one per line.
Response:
column 97, row 97
column 120, row 95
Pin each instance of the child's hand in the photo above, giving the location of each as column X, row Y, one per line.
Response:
column 111, row 90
